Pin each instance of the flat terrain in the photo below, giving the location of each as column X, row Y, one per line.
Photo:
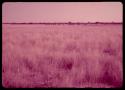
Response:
column 37, row 56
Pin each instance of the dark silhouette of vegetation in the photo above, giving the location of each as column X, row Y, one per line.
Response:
column 63, row 23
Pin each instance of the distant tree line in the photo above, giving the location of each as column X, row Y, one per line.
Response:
column 69, row 23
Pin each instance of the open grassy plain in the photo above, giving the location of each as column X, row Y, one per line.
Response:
column 42, row 56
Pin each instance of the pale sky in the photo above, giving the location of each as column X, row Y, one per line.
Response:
column 62, row 11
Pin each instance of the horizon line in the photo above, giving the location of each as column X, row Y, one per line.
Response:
column 69, row 22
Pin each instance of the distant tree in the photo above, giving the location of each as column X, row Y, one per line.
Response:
column 69, row 22
column 97, row 22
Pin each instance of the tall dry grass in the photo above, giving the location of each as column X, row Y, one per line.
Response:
column 37, row 56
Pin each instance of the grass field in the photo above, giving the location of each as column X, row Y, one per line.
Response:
column 37, row 56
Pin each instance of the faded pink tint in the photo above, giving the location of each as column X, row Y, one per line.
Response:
column 62, row 55
column 62, row 12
